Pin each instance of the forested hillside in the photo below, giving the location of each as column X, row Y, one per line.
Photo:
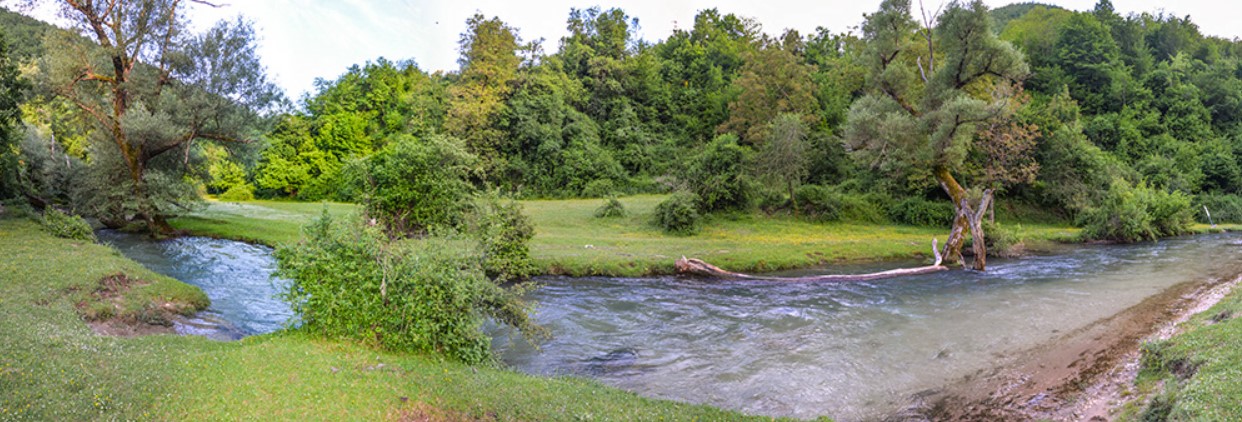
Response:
column 1101, row 115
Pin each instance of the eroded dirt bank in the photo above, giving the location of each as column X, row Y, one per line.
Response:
column 1079, row 376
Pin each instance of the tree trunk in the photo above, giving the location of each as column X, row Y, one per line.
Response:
column 957, row 236
column 697, row 267
column 966, row 219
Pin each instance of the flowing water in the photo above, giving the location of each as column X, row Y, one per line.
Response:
column 852, row 351
column 236, row 276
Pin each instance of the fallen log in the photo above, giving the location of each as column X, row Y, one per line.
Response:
column 698, row 267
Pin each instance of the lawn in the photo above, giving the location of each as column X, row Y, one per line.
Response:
column 569, row 240
column 54, row 367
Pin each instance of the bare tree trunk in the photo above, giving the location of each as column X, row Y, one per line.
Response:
column 976, row 230
column 957, row 236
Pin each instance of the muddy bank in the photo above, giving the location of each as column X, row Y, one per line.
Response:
column 1082, row 375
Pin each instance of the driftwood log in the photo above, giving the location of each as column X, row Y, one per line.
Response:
column 697, row 267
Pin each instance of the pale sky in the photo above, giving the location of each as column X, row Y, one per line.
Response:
column 302, row 40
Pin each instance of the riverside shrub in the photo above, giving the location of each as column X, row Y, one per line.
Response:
column 415, row 185
column 1131, row 213
column 679, row 214
column 349, row 280
column 921, row 212
column 66, row 226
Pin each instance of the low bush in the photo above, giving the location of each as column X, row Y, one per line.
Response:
column 1131, row 213
column 679, row 214
column 599, row 188
column 818, row 203
column 1224, row 208
column 350, row 280
column 922, row 212
column 415, row 185
column 66, row 226
column 503, row 233
column 719, row 177
column 612, row 208
column 241, row 192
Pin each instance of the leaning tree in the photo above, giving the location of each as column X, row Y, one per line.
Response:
column 153, row 89
column 931, row 86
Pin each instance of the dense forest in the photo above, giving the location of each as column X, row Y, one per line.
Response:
column 1126, row 125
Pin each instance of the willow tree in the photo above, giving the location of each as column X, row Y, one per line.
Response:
column 930, row 88
column 153, row 90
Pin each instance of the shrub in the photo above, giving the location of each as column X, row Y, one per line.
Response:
column 1134, row 213
column 350, row 280
column 1001, row 240
column 242, row 192
column 612, row 208
column 1224, row 208
column 818, row 203
column 414, row 185
column 679, row 214
column 504, row 234
column 718, row 175
column 599, row 188
column 66, row 226
column 922, row 212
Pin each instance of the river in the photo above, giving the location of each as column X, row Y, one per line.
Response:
column 851, row 351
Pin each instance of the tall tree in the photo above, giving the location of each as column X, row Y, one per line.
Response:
column 773, row 81
column 489, row 64
column 152, row 89
column 11, row 86
column 927, row 97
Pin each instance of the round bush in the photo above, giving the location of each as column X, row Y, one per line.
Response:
column 66, row 226
column 242, row 192
column 679, row 214
column 818, row 203
column 612, row 208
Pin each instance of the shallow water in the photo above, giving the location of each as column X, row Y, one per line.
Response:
column 236, row 276
column 852, row 351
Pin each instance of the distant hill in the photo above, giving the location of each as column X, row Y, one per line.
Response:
column 24, row 34
column 1002, row 15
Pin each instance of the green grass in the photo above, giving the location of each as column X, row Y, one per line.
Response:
column 569, row 239
column 266, row 222
column 1201, row 368
column 53, row 367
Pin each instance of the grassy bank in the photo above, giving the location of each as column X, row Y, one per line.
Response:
column 1196, row 375
column 570, row 240
column 53, row 367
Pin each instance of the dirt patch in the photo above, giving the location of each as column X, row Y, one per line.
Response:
column 106, row 312
column 1081, row 376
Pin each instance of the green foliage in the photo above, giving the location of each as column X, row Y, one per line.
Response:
column 241, row 192
column 415, row 185
column 350, row 281
column 718, row 175
column 1131, row 213
column 66, row 226
column 1224, row 208
column 504, row 235
column 599, row 188
column 678, row 214
column 818, row 203
column 11, row 87
column 922, row 212
column 612, row 208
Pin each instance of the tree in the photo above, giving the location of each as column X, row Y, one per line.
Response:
column 152, row 89
column 926, row 100
column 489, row 64
column 783, row 158
column 773, row 81
column 11, row 86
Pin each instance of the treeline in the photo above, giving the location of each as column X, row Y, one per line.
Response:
column 1094, row 115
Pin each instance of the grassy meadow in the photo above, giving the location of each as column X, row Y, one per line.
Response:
column 54, row 367
column 570, row 240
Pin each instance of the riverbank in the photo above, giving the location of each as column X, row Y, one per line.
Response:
column 54, row 367
column 569, row 240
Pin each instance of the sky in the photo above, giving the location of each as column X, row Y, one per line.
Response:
column 302, row 40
